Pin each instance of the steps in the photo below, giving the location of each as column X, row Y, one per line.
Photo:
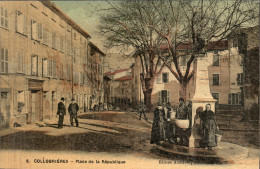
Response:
column 235, row 130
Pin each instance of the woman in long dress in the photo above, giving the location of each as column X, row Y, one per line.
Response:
column 208, row 128
column 158, row 128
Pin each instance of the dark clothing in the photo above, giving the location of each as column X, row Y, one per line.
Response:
column 60, row 122
column 74, row 116
column 182, row 112
column 61, row 112
column 169, row 127
column 142, row 110
column 73, row 109
column 158, row 128
column 208, row 129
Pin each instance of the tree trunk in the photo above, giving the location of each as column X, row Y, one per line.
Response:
column 148, row 99
column 183, row 89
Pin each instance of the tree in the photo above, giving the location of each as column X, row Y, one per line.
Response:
column 127, row 25
column 196, row 24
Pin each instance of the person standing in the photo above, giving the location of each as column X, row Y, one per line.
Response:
column 182, row 110
column 169, row 126
column 142, row 110
column 158, row 127
column 73, row 110
column 61, row 112
column 208, row 128
column 181, row 113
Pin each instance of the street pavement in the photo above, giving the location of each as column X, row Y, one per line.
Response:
column 100, row 135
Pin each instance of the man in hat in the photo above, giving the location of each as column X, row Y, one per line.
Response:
column 61, row 112
column 73, row 110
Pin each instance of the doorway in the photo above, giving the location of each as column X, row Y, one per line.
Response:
column 36, row 105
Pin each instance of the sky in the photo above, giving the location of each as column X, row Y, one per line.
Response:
column 86, row 15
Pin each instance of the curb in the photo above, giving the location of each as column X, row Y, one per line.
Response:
column 227, row 153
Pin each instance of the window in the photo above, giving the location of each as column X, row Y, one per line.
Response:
column 20, row 102
column 215, row 60
column 44, row 67
column 68, row 72
column 216, row 96
column 4, row 18
column 75, row 78
column 61, row 44
column 240, row 79
column 235, row 43
column 37, row 31
column 57, row 42
column 21, row 23
column 183, row 60
column 34, row 69
column 164, row 96
column 45, row 36
column 54, row 40
column 4, row 60
column 51, row 68
column 165, row 77
column 81, row 78
column 215, row 79
column 234, row 99
column 85, row 80
column 68, row 48
column 49, row 38
column 20, row 58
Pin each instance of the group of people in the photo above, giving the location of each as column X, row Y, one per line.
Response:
column 164, row 130
column 73, row 111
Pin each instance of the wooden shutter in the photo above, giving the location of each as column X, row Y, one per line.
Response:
column 168, row 95
column 160, row 97
column 25, row 29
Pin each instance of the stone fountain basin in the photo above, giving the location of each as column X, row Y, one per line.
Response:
column 181, row 123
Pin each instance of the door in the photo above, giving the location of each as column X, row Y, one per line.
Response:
column 36, row 108
column 5, row 110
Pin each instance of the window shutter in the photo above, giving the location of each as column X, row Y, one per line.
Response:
column 19, row 22
column 168, row 95
column 15, row 103
column 160, row 97
column 25, row 25
column 229, row 98
column 34, row 29
column 49, row 68
column 6, row 60
column 44, row 67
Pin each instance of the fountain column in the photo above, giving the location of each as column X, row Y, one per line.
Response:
column 201, row 98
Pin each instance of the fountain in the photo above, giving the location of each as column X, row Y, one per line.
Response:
column 201, row 98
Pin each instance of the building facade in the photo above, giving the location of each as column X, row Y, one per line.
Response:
column 44, row 56
column 120, row 83
column 225, row 72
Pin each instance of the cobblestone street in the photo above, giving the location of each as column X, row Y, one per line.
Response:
column 119, row 135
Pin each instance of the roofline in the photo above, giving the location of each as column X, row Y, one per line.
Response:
column 67, row 19
column 93, row 45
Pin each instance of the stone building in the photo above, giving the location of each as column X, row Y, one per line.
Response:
column 45, row 55
column 247, row 43
column 120, row 87
column 224, row 69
